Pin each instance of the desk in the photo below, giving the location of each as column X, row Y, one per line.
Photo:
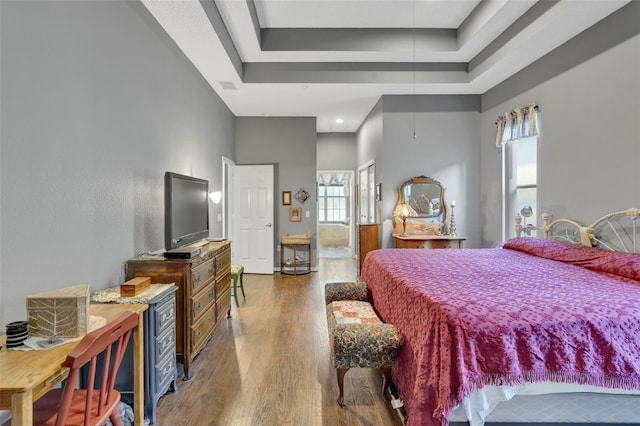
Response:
column 428, row 241
column 27, row 375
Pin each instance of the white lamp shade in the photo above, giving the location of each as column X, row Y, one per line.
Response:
column 215, row 196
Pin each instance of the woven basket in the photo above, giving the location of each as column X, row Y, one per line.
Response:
column 295, row 239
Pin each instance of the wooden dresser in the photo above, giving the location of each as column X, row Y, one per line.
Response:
column 367, row 240
column 203, row 298
column 428, row 241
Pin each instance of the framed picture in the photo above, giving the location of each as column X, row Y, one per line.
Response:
column 286, row 198
column 295, row 214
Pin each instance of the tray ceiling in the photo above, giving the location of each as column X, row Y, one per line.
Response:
column 335, row 59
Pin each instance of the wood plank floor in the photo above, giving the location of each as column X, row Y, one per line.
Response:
column 270, row 363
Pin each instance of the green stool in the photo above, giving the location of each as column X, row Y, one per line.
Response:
column 237, row 271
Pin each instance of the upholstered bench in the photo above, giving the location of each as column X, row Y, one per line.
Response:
column 358, row 338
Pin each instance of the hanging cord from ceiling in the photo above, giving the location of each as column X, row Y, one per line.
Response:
column 413, row 33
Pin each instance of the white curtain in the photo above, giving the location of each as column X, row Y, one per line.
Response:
column 519, row 123
column 334, row 179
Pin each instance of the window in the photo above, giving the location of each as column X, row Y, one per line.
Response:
column 332, row 204
column 520, row 178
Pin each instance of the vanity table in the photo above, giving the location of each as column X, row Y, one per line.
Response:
column 428, row 241
column 423, row 218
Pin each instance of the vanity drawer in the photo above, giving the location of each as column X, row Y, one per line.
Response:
column 165, row 314
column 441, row 244
column 201, row 330
column 202, row 301
column 201, row 275
column 165, row 343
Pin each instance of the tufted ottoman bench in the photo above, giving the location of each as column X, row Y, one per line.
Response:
column 357, row 336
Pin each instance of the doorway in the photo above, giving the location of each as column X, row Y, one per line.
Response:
column 253, row 218
column 335, row 213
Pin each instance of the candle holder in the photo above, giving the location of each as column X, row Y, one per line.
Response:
column 404, row 213
column 403, row 218
column 452, row 221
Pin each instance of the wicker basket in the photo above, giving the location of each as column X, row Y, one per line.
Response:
column 295, row 239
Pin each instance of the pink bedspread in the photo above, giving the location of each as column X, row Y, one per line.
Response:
column 501, row 316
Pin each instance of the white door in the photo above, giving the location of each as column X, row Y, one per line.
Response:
column 253, row 218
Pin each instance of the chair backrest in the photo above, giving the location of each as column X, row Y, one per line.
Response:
column 100, row 341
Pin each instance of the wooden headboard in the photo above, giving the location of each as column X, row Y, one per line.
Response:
column 617, row 231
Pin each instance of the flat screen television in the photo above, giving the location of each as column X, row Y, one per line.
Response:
column 186, row 210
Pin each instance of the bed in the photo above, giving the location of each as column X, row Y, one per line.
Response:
column 540, row 316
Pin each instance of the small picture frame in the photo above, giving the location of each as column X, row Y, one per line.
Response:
column 286, row 198
column 295, row 214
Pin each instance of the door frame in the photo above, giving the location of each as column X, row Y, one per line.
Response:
column 228, row 166
column 234, row 220
column 353, row 219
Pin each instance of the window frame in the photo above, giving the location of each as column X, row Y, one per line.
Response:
column 510, row 187
column 323, row 205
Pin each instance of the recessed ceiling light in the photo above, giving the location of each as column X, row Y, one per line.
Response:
column 339, row 120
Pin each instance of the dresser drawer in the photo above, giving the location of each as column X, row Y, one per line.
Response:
column 202, row 301
column 165, row 314
column 201, row 330
column 223, row 303
column 201, row 275
column 165, row 373
column 165, row 343
column 223, row 284
column 223, row 263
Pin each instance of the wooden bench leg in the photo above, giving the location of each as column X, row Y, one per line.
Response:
column 340, row 372
column 386, row 382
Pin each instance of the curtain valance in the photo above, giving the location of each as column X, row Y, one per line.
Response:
column 519, row 123
column 333, row 179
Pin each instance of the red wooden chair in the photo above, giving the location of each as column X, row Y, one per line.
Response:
column 71, row 406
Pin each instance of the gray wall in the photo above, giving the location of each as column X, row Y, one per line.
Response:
column 290, row 144
column 446, row 148
column 589, row 143
column 93, row 113
column 336, row 151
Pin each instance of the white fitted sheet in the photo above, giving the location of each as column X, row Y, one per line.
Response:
column 549, row 402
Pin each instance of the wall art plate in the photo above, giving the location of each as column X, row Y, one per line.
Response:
column 302, row 195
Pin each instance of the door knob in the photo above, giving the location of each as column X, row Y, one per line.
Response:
column 269, row 225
